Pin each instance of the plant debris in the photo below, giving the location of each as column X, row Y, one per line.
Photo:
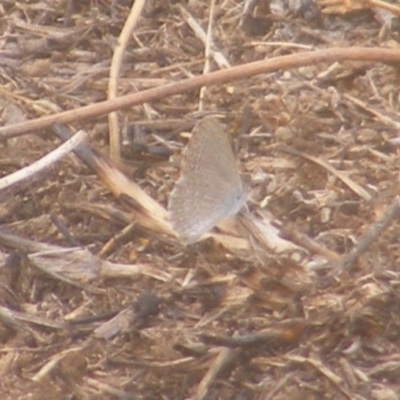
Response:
column 297, row 298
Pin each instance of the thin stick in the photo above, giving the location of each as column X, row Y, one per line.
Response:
column 385, row 119
column 130, row 24
column 206, row 39
column 391, row 215
column 224, row 357
column 218, row 77
column 386, row 6
column 44, row 162
column 355, row 187
column 207, row 49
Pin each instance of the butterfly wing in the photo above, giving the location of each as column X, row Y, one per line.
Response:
column 209, row 188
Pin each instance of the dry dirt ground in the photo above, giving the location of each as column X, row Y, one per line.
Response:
column 94, row 307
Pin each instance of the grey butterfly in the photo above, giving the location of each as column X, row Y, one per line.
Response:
column 210, row 187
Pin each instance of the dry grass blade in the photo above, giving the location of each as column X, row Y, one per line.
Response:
column 119, row 184
column 379, row 115
column 355, row 187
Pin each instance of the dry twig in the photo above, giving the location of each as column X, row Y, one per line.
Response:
column 391, row 215
column 130, row 24
column 217, row 77
column 45, row 162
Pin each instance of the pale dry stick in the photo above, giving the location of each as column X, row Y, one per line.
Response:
column 101, row 390
column 386, row 120
column 266, row 234
column 353, row 374
column 50, row 32
column 302, row 240
column 283, row 44
column 374, row 88
column 323, row 370
column 206, row 67
column 115, row 240
column 239, row 72
column 386, row 6
column 345, row 6
column 249, row 6
column 391, row 215
column 18, row 317
column 26, row 349
column 54, row 363
column 224, row 357
column 130, row 24
column 281, row 384
column 8, row 318
column 355, row 187
column 44, row 162
column 218, row 57
column 186, row 362
column 173, row 67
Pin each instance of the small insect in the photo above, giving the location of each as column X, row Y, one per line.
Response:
column 210, row 187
